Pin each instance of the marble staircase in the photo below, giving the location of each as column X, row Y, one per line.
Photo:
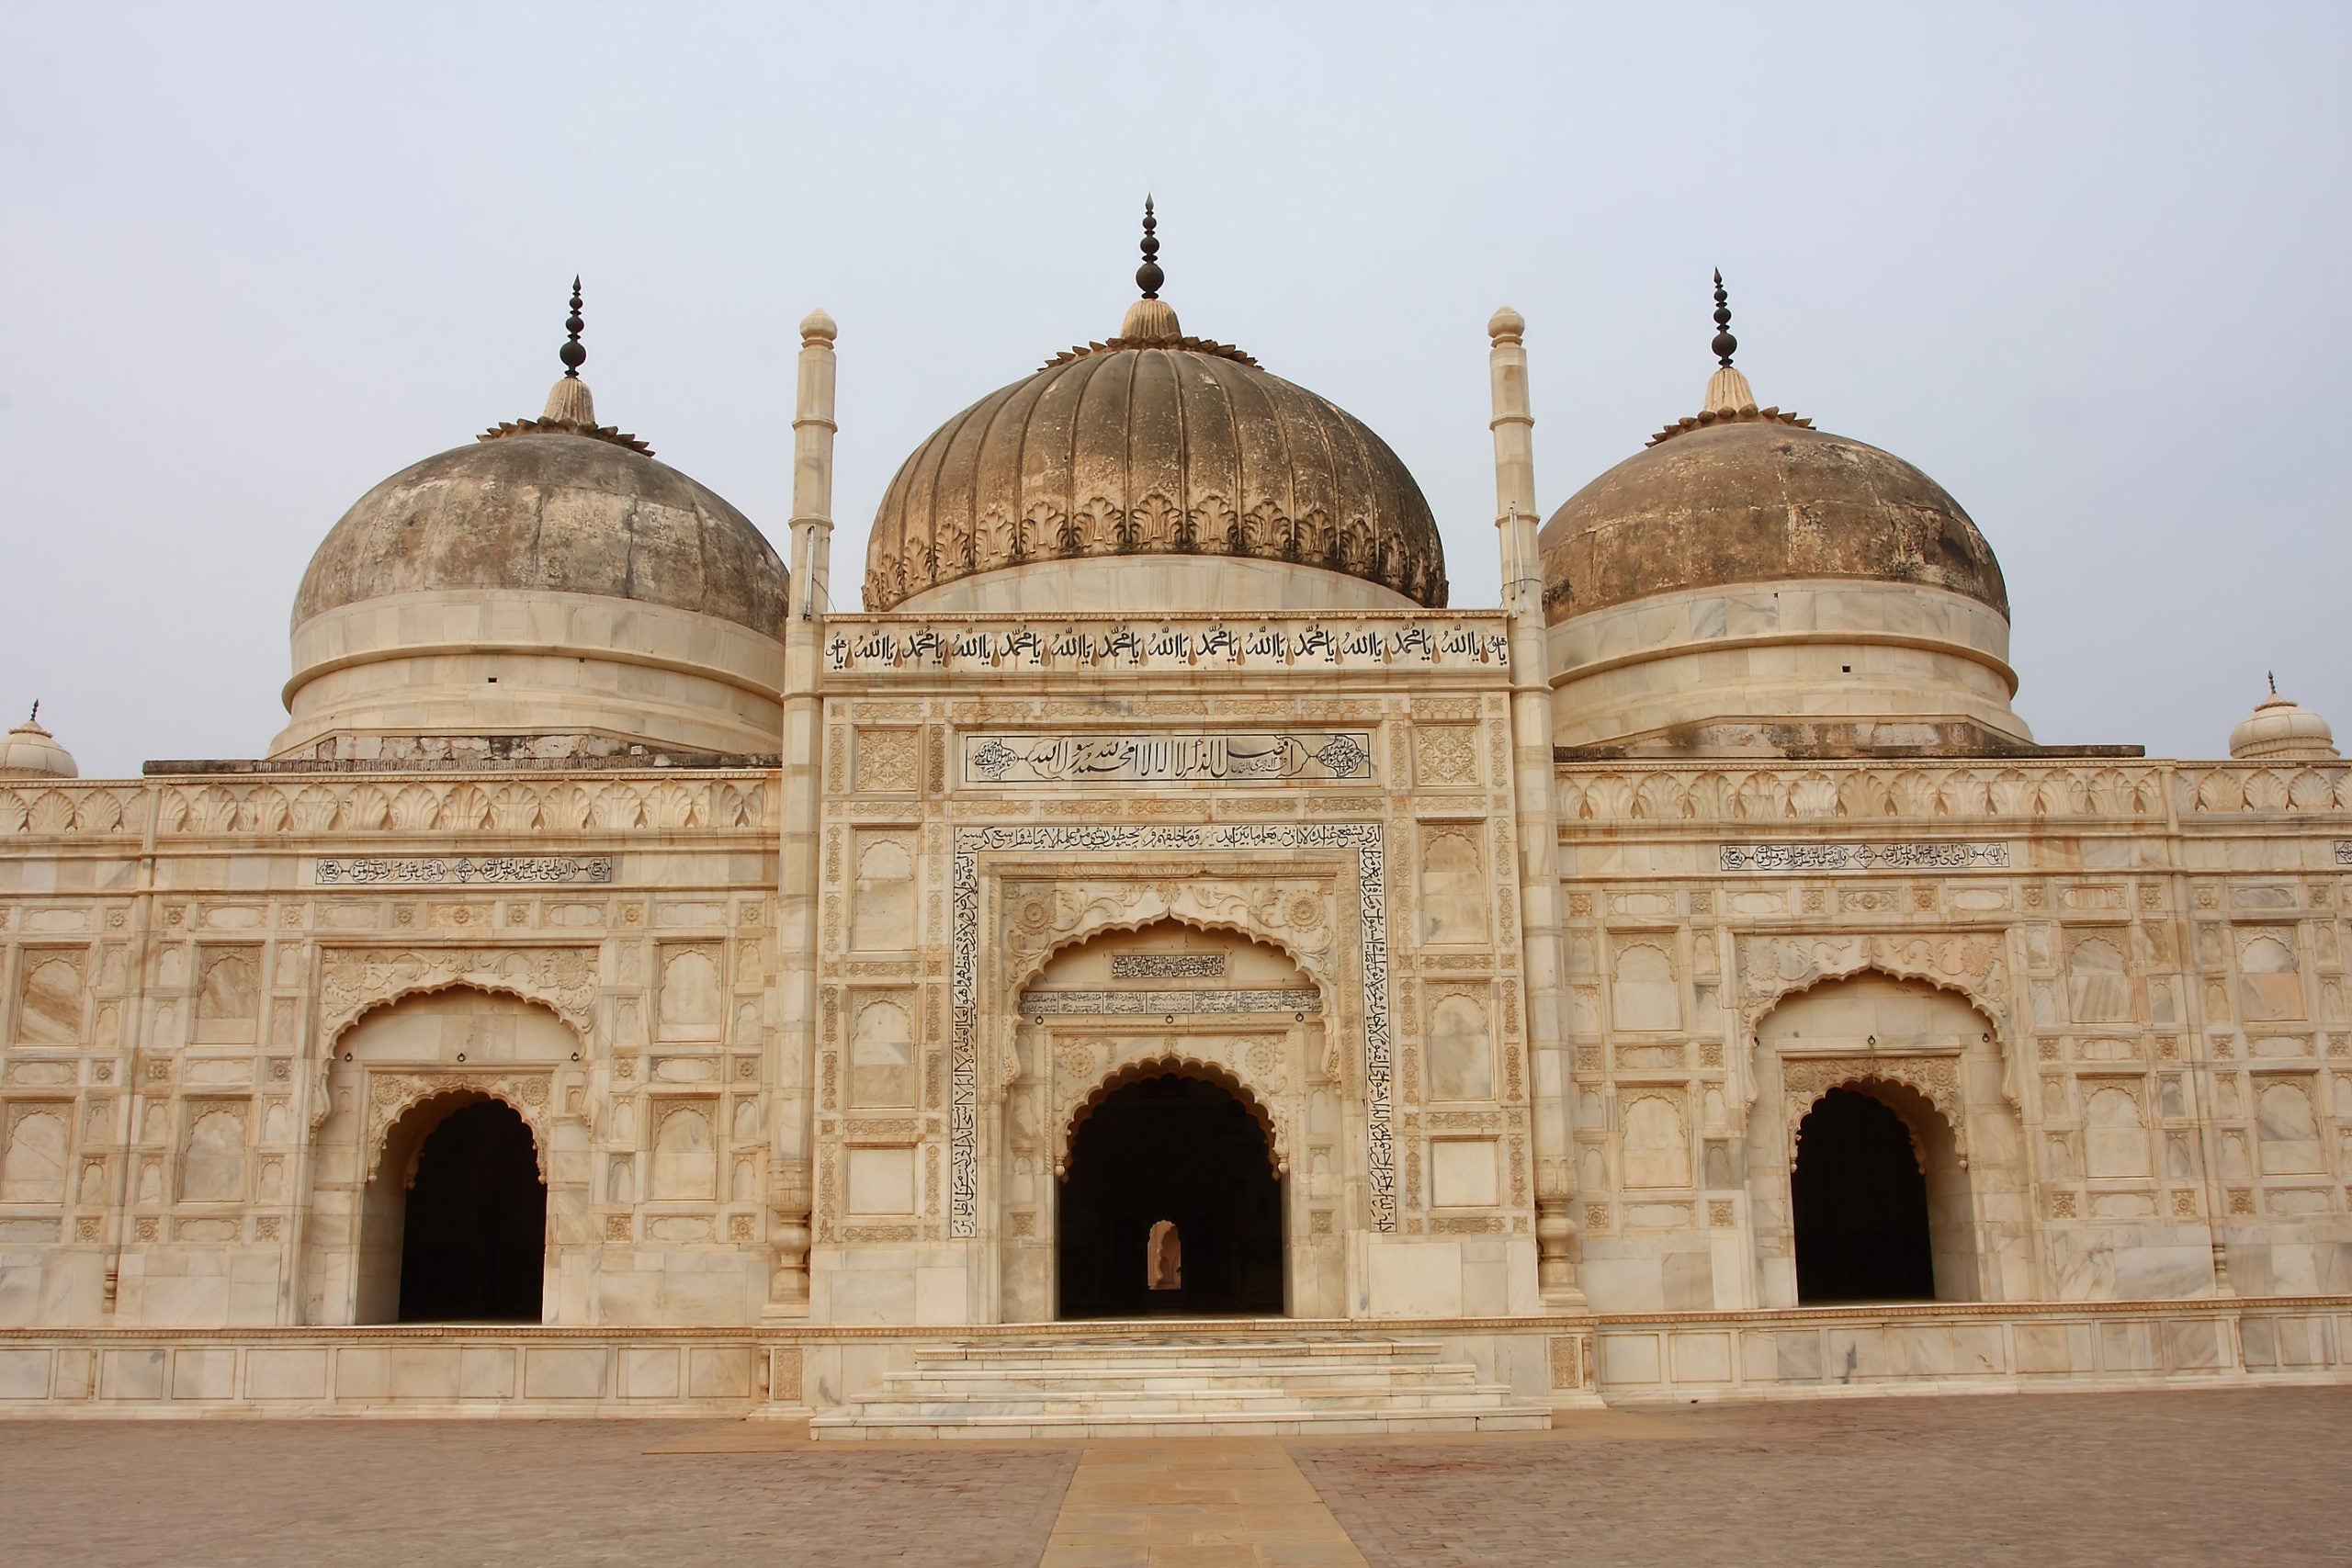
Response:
column 1167, row 1383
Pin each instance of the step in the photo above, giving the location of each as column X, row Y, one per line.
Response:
column 1132, row 1405
column 1265, row 1423
column 1178, row 1378
column 1251, row 1351
column 1157, row 1381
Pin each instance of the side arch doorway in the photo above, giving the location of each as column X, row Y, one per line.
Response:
column 455, row 1221
column 1170, row 1207
column 1859, row 1196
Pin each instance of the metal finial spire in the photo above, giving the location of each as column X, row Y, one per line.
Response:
column 573, row 356
column 34, row 716
column 1724, row 346
column 2272, row 673
column 1148, row 277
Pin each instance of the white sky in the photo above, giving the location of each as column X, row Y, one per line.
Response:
column 2086, row 264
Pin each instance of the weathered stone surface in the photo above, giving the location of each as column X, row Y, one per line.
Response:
column 1759, row 502
column 554, row 513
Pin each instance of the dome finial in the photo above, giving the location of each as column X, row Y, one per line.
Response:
column 34, row 716
column 2272, row 674
column 574, row 353
column 1148, row 277
column 1724, row 346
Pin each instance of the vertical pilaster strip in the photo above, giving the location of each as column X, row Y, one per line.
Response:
column 1539, row 878
column 801, row 786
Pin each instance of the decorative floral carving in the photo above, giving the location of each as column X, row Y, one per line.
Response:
column 393, row 1095
column 1967, row 962
column 355, row 980
column 1937, row 1079
column 1251, row 1069
column 887, row 759
column 1448, row 754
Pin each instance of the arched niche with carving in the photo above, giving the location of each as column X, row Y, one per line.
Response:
column 1207, row 1072
column 1132, row 999
column 1925, row 1053
column 394, row 1075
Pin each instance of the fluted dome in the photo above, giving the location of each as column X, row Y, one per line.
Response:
column 2281, row 729
column 28, row 751
column 1250, row 492
column 1744, row 501
column 554, row 513
column 549, row 590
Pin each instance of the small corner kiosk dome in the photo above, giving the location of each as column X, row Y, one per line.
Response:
column 550, row 586
column 28, row 751
column 2279, row 729
column 1747, row 572
column 1153, row 472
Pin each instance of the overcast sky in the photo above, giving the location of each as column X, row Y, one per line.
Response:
column 2087, row 266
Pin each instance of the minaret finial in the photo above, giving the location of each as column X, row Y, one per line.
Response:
column 574, row 355
column 1724, row 346
column 34, row 716
column 1148, row 277
column 2272, row 673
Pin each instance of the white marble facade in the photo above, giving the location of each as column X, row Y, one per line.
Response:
column 802, row 1041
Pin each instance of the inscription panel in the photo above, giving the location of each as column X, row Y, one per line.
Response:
column 368, row 870
column 1903, row 855
column 1167, row 965
column 1238, row 757
column 1368, row 642
column 1037, row 1004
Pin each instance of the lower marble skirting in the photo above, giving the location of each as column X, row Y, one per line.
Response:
column 795, row 1371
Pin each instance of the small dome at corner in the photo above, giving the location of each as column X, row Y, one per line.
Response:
column 1506, row 322
column 30, row 751
column 2283, row 730
column 816, row 323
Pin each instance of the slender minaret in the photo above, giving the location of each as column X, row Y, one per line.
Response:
column 1538, row 875
column 802, row 797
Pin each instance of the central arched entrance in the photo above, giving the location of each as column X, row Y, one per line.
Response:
column 1860, row 1202
column 474, row 1222
column 1171, row 1206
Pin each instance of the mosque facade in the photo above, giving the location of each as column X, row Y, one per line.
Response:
column 1160, row 966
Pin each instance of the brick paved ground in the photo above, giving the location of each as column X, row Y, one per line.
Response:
column 2228, row 1477
column 2251, row 1477
column 426, row 1494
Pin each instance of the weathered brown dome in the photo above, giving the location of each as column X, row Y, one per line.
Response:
column 556, row 512
column 1757, row 500
column 1153, row 445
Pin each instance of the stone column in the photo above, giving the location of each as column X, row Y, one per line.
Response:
column 801, row 788
column 1542, row 959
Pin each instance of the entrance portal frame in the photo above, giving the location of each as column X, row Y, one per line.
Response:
column 1363, row 841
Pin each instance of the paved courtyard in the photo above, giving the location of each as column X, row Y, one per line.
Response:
column 2212, row 1477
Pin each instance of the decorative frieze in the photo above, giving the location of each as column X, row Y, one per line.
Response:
column 1240, row 757
column 487, row 870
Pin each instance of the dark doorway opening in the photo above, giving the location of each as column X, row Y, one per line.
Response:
column 1182, row 1151
column 473, row 1238
column 1860, row 1205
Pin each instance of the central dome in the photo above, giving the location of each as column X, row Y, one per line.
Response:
column 1153, row 445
